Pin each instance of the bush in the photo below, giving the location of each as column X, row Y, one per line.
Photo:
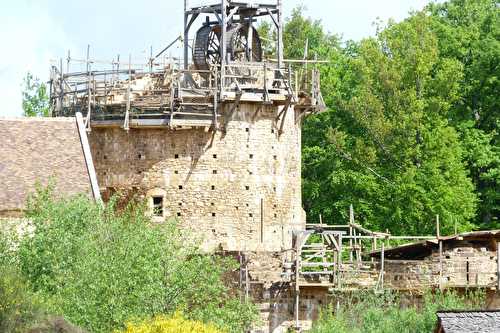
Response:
column 386, row 313
column 175, row 324
column 18, row 307
column 100, row 267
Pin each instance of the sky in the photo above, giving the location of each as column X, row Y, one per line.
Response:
column 36, row 33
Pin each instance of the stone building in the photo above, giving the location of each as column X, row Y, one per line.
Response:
column 239, row 188
column 214, row 141
column 467, row 260
column 214, row 144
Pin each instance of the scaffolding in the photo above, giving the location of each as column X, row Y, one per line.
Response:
column 348, row 258
column 225, row 70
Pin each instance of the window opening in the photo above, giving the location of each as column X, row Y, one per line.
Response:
column 158, row 206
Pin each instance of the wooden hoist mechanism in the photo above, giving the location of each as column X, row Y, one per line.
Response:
column 242, row 43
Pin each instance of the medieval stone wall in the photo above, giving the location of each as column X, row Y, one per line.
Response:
column 277, row 306
column 469, row 264
column 464, row 264
column 238, row 188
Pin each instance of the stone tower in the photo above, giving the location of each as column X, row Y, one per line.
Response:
column 214, row 142
column 238, row 188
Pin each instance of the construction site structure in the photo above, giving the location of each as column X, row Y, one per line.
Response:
column 330, row 261
column 213, row 139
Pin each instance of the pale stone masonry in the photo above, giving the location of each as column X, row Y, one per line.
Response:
column 239, row 188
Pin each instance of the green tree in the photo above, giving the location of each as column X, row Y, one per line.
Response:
column 298, row 29
column 298, row 32
column 19, row 309
column 386, row 144
column 100, row 267
column 35, row 98
column 469, row 32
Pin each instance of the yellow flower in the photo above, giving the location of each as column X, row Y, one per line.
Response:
column 174, row 324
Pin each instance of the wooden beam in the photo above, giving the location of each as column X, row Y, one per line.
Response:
column 382, row 268
column 351, row 220
column 88, row 157
column 440, row 264
column 301, row 61
column 280, row 33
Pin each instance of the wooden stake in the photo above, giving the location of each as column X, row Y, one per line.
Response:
column 438, row 235
column 339, row 263
column 351, row 221
column 382, row 256
column 280, row 47
column 127, row 110
column 298, row 243
column 186, row 35
column 89, row 93
column 440, row 264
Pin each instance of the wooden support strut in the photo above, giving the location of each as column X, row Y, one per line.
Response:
column 382, row 268
column 298, row 247
column 339, row 262
column 127, row 110
column 280, row 48
column 351, row 221
column 285, row 111
column 87, row 119
column 88, row 157
column 438, row 236
column 216, row 107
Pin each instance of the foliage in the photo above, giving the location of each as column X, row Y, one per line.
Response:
column 412, row 126
column 21, row 310
column 303, row 37
column 18, row 306
column 469, row 33
column 100, row 267
column 299, row 29
column 35, row 98
column 387, row 313
column 175, row 324
column 386, row 145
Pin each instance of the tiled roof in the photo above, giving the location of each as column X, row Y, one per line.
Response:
column 469, row 321
column 36, row 150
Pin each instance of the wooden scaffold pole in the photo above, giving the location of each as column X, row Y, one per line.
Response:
column 351, row 222
column 438, row 235
column 89, row 92
column 127, row 110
